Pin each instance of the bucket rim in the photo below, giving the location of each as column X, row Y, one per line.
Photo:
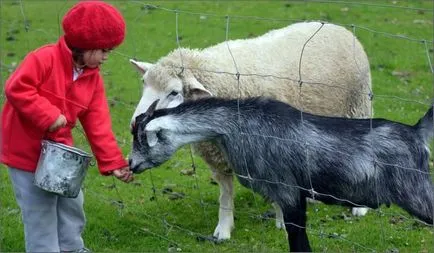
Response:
column 67, row 148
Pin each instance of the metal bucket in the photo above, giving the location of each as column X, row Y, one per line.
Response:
column 61, row 169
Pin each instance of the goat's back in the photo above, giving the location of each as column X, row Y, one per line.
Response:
column 273, row 142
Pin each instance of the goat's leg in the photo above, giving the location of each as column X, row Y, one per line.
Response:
column 226, row 214
column 295, row 223
column 280, row 223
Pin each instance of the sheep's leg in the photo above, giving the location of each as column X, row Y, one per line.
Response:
column 313, row 201
column 295, row 223
column 359, row 211
column 280, row 223
column 226, row 215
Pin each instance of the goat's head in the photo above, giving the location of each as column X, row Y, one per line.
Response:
column 153, row 143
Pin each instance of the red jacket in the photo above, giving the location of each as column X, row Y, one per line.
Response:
column 41, row 89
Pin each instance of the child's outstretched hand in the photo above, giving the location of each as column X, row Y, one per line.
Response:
column 60, row 122
column 124, row 174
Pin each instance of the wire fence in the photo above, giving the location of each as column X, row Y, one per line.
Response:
column 196, row 191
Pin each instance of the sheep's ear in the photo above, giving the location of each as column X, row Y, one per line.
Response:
column 141, row 67
column 151, row 137
column 198, row 93
column 197, row 90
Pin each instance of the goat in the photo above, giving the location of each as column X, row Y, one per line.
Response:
column 287, row 155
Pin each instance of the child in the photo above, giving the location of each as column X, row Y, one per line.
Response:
column 53, row 87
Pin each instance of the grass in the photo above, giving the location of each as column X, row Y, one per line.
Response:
column 145, row 215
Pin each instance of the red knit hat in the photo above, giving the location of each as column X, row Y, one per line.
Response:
column 93, row 25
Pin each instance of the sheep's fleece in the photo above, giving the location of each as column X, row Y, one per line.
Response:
column 317, row 67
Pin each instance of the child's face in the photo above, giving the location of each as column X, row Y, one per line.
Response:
column 94, row 58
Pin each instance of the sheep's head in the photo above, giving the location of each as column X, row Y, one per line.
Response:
column 152, row 143
column 169, row 84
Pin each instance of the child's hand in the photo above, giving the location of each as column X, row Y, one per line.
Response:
column 124, row 174
column 60, row 122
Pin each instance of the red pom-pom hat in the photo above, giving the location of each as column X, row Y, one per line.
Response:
column 93, row 25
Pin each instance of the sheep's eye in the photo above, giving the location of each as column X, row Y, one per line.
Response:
column 173, row 93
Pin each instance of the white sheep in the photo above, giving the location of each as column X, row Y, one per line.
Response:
column 316, row 67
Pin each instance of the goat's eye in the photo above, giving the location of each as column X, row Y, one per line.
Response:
column 160, row 135
column 173, row 93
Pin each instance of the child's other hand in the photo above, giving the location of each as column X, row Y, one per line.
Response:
column 124, row 174
column 60, row 122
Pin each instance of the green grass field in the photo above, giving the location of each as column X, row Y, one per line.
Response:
column 165, row 210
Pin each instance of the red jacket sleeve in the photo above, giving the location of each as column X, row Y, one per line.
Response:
column 97, row 125
column 21, row 91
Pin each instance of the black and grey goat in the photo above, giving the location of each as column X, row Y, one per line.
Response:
column 286, row 155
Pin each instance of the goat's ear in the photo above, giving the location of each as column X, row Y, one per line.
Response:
column 151, row 108
column 197, row 90
column 141, row 67
column 151, row 137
